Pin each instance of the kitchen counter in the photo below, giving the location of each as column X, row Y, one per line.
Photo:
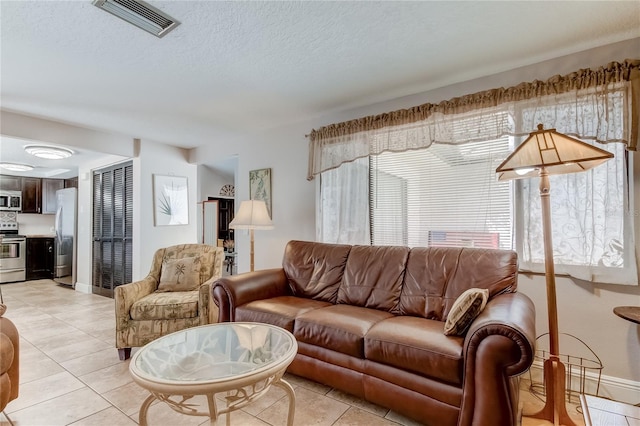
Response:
column 40, row 235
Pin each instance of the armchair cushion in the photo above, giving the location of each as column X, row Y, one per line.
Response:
column 180, row 274
column 172, row 305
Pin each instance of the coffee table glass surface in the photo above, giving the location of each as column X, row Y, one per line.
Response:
column 241, row 359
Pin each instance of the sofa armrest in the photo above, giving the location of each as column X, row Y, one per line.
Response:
column 236, row 290
column 127, row 294
column 499, row 346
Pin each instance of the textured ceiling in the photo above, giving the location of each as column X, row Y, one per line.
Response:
column 237, row 67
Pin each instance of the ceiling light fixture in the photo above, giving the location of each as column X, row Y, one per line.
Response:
column 48, row 152
column 14, row 167
column 140, row 14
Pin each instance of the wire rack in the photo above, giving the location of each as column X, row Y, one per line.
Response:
column 576, row 366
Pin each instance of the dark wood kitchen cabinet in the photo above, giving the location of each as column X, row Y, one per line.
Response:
column 31, row 195
column 10, row 183
column 40, row 261
column 49, row 188
column 71, row 182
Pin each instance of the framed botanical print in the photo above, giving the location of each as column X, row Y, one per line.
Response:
column 260, row 187
column 170, row 200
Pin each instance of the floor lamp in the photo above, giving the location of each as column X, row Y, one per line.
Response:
column 252, row 215
column 544, row 153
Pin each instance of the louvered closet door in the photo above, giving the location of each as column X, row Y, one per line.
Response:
column 112, row 227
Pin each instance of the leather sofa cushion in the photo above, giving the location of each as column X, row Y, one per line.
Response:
column 315, row 270
column 436, row 277
column 373, row 277
column 280, row 311
column 417, row 345
column 7, row 352
column 340, row 328
column 171, row 305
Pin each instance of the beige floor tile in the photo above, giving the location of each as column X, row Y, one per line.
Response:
column 273, row 395
column 39, row 330
column 357, row 417
column 36, row 365
column 160, row 414
column 107, row 417
column 44, row 389
column 75, row 350
column 108, row 378
column 398, row 418
column 359, row 403
column 297, row 381
column 127, row 398
column 240, row 418
column 62, row 410
column 88, row 363
column 311, row 408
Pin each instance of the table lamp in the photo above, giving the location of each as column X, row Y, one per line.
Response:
column 544, row 153
column 252, row 215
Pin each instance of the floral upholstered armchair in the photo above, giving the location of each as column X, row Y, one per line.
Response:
column 175, row 295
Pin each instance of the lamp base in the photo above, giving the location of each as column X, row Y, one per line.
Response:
column 554, row 409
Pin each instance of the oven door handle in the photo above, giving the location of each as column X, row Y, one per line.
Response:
column 6, row 271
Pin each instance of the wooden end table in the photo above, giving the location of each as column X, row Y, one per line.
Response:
column 630, row 313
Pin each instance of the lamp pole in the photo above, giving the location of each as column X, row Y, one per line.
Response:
column 554, row 409
column 251, row 252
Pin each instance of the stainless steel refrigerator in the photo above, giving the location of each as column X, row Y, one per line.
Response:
column 65, row 244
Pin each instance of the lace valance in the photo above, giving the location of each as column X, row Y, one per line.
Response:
column 584, row 104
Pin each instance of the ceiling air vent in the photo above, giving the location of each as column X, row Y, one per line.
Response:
column 140, row 14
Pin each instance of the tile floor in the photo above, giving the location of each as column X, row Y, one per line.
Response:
column 70, row 373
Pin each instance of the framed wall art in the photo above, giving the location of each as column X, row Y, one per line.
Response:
column 260, row 187
column 170, row 200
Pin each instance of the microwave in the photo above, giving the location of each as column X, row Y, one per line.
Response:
column 11, row 201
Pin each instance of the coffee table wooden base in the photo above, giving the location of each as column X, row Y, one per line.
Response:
column 236, row 399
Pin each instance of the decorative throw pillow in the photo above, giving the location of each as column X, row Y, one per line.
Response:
column 464, row 310
column 180, row 274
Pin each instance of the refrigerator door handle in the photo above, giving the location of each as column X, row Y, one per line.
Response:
column 58, row 225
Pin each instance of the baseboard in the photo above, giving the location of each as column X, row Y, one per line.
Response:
column 615, row 388
column 82, row 288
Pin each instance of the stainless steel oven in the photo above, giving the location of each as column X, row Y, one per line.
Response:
column 13, row 250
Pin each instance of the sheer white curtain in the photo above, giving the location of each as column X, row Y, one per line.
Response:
column 343, row 208
column 591, row 223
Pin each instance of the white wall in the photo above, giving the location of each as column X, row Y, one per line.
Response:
column 36, row 224
column 155, row 158
column 585, row 309
column 210, row 182
column 293, row 197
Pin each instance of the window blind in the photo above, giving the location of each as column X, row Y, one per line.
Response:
column 442, row 196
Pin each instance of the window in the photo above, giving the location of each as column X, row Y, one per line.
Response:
column 448, row 195
column 425, row 175
column 444, row 195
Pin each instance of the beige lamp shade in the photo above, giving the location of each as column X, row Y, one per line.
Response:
column 557, row 153
column 252, row 215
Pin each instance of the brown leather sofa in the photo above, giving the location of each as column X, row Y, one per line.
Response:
column 369, row 321
column 9, row 360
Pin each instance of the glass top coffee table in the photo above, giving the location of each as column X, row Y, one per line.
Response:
column 241, row 359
